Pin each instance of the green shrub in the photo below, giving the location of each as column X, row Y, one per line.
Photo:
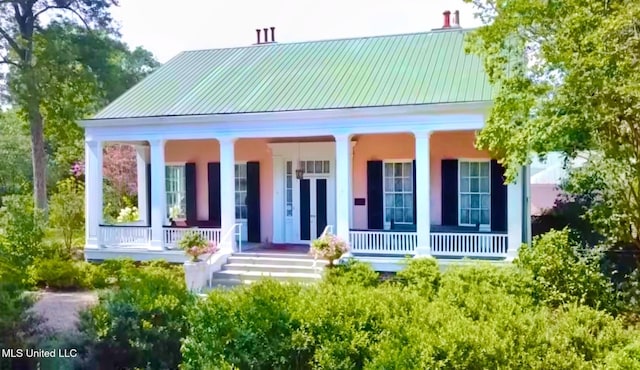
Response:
column 140, row 324
column 352, row 272
column 422, row 274
column 56, row 273
column 562, row 276
column 66, row 210
column 627, row 358
column 22, row 231
column 630, row 293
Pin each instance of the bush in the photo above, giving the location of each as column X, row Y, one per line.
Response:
column 22, row 231
column 140, row 324
column 630, row 293
column 66, row 210
column 422, row 274
column 352, row 272
column 63, row 274
column 561, row 275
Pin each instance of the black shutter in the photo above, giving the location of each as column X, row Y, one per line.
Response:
column 449, row 192
column 253, row 202
column 415, row 191
column 213, row 175
column 498, row 198
column 375, row 195
column 191, row 194
column 148, row 210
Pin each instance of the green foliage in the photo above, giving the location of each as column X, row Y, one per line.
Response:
column 15, row 151
column 627, row 358
column 140, row 324
column 352, row 272
column 630, row 292
column 479, row 317
column 577, row 94
column 56, row 273
column 67, row 210
column 21, row 231
column 561, row 275
column 422, row 274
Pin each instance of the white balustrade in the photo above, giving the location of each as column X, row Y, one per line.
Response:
column 172, row 235
column 469, row 244
column 124, row 236
column 383, row 242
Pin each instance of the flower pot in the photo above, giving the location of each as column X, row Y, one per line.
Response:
column 195, row 274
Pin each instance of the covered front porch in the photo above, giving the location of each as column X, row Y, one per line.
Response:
column 370, row 188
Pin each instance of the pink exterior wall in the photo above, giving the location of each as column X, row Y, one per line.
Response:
column 444, row 145
column 202, row 152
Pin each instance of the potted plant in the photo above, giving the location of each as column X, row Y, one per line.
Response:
column 195, row 269
column 329, row 247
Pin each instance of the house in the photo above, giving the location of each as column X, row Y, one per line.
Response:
column 371, row 138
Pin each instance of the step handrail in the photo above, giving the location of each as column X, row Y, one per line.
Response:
column 223, row 239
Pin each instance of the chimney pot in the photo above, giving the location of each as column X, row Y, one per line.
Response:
column 258, row 34
column 456, row 19
column 273, row 34
column 266, row 35
column 447, row 19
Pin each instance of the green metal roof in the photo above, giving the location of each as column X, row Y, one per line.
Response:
column 408, row 69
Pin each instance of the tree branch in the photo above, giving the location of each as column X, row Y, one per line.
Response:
column 5, row 60
column 63, row 7
column 12, row 42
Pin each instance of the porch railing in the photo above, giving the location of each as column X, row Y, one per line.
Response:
column 172, row 235
column 383, row 242
column 469, row 244
column 124, row 236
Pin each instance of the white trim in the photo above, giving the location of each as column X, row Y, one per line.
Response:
column 279, row 117
column 474, row 160
column 384, row 190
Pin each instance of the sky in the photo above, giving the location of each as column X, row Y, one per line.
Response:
column 168, row 27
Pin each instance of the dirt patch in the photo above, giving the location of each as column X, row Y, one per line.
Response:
column 59, row 310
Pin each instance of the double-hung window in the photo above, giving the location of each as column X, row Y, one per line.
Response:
column 475, row 193
column 398, row 193
column 176, row 192
column 241, row 191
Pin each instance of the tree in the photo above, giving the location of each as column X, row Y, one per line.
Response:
column 20, row 25
column 15, row 166
column 577, row 93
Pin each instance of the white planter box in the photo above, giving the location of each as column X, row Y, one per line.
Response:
column 195, row 274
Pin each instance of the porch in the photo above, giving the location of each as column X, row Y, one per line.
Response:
column 370, row 187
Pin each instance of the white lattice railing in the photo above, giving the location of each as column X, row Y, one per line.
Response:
column 124, row 236
column 383, row 242
column 172, row 235
column 469, row 244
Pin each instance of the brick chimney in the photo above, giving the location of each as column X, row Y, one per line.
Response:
column 456, row 19
column 447, row 19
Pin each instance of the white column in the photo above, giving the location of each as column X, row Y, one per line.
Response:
column 227, row 188
column 158, row 193
column 93, row 192
column 423, row 192
column 343, row 185
column 514, row 216
column 142, row 158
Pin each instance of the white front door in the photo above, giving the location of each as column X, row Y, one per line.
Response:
column 241, row 198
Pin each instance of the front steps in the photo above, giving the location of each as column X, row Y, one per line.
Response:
column 246, row 268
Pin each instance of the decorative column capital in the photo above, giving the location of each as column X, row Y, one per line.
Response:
column 228, row 140
column 157, row 142
column 342, row 136
column 425, row 134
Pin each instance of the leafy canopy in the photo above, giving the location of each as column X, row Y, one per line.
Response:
column 577, row 93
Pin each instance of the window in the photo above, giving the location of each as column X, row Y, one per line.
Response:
column 289, row 189
column 176, row 192
column 316, row 167
column 398, row 193
column 241, row 191
column 475, row 193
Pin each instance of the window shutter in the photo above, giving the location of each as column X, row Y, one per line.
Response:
column 213, row 176
column 415, row 211
column 449, row 191
column 498, row 198
column 190, row 193
column 148, row 210
column 375, row 195
column 253, row 202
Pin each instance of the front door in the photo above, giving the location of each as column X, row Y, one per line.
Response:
column 313, row 207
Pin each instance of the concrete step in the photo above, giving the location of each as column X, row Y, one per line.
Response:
column 264, row 266
column 274, row 261
column 274, row 255
column 250, row 276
